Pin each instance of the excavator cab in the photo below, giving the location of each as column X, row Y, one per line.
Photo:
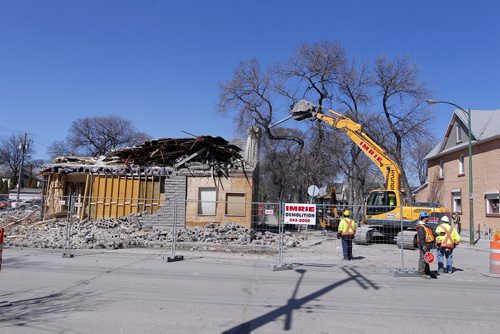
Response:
column 381, row 201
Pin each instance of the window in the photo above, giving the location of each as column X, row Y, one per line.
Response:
column 235, row 204
column 459, row 133
column 207, row 201
column 461, row 165
column 456, row 200
column 381, row 202
column 492, row 204
column 441, row 169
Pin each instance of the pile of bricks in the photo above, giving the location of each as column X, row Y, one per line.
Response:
column 127, row 232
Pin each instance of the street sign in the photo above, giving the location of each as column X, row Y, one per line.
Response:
column 313, row 190
column 300, row 214
column 429, row 257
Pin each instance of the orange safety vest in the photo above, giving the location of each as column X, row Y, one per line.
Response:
column 429, row 237
column 350, row 228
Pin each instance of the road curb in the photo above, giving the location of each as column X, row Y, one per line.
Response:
column 490, row 275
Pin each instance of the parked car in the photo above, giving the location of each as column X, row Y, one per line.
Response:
column 4, row 204
column 29, row 204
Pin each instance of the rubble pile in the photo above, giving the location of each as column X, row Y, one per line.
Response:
column 25, row 229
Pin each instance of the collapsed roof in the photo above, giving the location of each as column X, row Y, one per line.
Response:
column 156, row 157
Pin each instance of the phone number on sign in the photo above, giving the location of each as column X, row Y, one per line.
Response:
column 299, row 220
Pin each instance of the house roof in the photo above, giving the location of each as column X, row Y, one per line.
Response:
column 485, row 126
column 155, row 157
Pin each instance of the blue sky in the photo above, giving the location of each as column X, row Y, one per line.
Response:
column 158, row 63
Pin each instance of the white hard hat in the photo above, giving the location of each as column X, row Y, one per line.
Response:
column 445, row 219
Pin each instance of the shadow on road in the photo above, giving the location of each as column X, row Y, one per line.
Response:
column 295, row 304
column 32, row 312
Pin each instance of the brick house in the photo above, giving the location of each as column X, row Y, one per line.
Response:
column 205, row 177
column 448, row 168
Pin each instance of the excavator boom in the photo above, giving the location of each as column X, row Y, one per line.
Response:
column 384, row 211
column 392, row 174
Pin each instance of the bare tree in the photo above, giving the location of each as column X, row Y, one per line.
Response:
column 252, row 96
column 353, row 94
column 275, row 174
column 96, row 136
column 313, row 73
column 417, row 155
column 249, row 98
column 320, row 72
column 58, row 148
column 11, row 154
column 403, row 107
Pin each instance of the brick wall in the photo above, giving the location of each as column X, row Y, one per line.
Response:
column 486, row 178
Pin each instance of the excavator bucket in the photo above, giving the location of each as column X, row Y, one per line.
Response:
column 304, row 110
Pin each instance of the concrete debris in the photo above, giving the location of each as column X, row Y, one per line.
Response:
column 25, row 229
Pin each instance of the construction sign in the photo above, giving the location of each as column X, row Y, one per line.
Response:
column 429, row 257
column 300, row 214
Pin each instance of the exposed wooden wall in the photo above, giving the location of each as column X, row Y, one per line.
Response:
column 106, row 196
column 115, row 196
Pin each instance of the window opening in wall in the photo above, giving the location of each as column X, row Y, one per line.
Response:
column 235, row 204
column 456, row 196
column 459, row 133
column 492, row 203
column 461, row 165
column 207, row 201
column 441, row 171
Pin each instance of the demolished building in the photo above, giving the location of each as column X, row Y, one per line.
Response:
column 209, row 179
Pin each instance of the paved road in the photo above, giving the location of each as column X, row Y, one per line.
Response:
column 134, row 291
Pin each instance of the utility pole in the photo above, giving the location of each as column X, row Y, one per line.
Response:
column 23, row 146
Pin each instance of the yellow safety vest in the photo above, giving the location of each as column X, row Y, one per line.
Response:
column 347, row 226
column 450, row 238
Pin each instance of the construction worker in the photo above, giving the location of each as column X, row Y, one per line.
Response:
column 456, row 222
column 446, row 240
column 425, row 239
column 346, row 231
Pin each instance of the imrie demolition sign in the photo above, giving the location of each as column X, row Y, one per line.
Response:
column 302, row 214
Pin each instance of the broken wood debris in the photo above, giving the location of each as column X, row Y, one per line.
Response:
column 171, row 151
column 155, row 157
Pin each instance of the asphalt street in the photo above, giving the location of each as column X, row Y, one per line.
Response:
column 131, row 291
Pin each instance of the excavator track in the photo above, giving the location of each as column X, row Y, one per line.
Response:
column 364, row 235
column 409, row 239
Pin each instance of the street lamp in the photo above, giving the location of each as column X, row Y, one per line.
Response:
column 471, row 193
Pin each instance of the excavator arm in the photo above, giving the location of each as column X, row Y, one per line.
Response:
column 392, row 174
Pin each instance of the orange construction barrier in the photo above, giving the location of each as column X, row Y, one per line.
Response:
column 495, row 257
column 1, row 245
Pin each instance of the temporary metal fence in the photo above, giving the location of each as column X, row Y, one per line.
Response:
column 385, row 238
column 171, row 223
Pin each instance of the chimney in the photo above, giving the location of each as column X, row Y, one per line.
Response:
column 251, row 155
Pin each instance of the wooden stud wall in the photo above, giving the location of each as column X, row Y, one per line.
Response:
column 115, row 196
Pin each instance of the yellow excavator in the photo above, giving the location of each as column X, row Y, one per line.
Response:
column 328, row 210
column 386, row 212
